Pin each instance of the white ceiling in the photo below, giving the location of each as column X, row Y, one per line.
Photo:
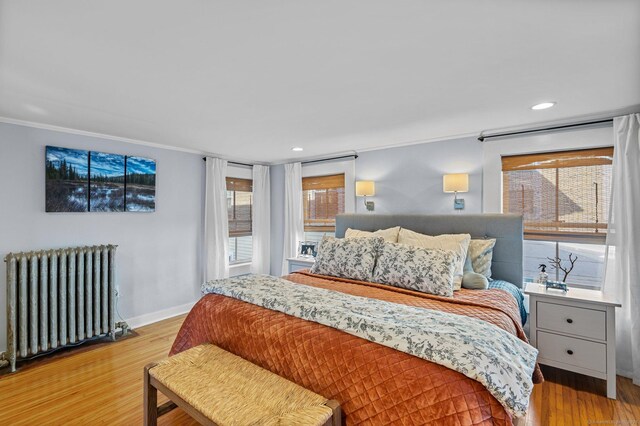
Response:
column 250, row 79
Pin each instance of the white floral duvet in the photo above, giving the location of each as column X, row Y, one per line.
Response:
column 481, row 351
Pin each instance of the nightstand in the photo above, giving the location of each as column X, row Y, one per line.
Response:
column 575, row 331
column 298, row 263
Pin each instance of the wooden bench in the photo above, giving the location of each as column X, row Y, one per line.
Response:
column 216, row 387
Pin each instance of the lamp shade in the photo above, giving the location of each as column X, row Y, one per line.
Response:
column 458, row 182
column 365, row 188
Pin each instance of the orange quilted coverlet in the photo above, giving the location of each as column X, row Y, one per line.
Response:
column 374, row 384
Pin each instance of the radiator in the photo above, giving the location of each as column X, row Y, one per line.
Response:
column 57, row 298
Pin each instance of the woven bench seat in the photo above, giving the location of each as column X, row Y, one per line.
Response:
column 216, row 387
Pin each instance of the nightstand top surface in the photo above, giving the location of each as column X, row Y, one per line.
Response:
column 575, row 294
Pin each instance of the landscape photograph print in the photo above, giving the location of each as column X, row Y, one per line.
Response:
column 106, row 180
column 80, row 181
column 67, row 172
column 141, row 184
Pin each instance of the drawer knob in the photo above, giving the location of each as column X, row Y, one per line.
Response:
column 569, row 320
column 569, row 351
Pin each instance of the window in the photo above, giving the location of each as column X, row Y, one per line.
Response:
column 239, row 204
column 564, row 198
column 323, row 199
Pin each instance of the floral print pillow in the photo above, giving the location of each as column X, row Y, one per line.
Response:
column 352, row 258
column 416, row 268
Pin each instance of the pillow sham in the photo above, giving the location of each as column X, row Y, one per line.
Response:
column 479, row 257
column 458, row 243
column 389, row 234
column 352, row 258
column 416, row 268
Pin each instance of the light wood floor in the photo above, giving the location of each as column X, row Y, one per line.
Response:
column 102, row 384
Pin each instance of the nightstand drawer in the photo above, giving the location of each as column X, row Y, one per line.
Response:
column 299, row 263
column 570, row 351
column 294, row 266
column 589, row 323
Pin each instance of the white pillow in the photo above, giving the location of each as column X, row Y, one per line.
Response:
column 458, row 243
column 390, row 235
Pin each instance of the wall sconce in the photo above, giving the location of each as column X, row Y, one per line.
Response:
column 366, row 188
column 458, row 182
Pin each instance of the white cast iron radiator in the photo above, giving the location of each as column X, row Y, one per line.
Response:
column 57, row 298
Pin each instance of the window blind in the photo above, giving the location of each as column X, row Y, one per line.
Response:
column 563, row 196
column 323, row 199
column 239, row 204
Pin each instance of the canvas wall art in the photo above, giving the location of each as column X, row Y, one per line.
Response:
column 106, row 180
column 80, row 181
column 67, row 173
column 141, row 184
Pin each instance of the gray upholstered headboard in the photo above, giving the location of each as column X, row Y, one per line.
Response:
column 505, row 228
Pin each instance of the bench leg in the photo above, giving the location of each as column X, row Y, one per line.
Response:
column 150, row 399
column 336, row 419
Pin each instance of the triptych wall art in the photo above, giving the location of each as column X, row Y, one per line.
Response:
column 81, row 181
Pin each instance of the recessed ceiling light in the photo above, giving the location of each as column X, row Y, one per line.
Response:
column 543, row 105
column 297, row 149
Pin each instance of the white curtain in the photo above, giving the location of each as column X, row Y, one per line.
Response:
column 216, row 221
column 293, row 218
column 261, row 220
column 623, row 243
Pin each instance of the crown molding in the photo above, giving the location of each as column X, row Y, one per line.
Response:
column 421, row 141
column 79, row 132
column 541, row 125
column 605, row 114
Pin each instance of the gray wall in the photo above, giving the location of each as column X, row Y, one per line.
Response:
column 408, row 180
column 159, row 265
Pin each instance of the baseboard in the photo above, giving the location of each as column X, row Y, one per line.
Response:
column 624, row 373
column 146, row 319
column 152, row 317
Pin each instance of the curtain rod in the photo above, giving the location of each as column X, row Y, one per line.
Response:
column 331, row 158
column 482, row 137
column 233, row 162
column 303, row 162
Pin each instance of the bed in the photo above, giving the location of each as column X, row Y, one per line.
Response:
column 375, row 384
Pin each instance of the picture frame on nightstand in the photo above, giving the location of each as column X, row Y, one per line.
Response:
column 307, row 249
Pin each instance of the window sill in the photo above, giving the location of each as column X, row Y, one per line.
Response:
column 239, row 268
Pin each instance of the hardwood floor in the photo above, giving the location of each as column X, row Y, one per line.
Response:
column 574, row 399
column 102, row 384
column 97, row 384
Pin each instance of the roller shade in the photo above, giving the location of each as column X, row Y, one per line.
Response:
column 239, row 205
column 323, row 199
column 563, row 196
column 562, row 159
